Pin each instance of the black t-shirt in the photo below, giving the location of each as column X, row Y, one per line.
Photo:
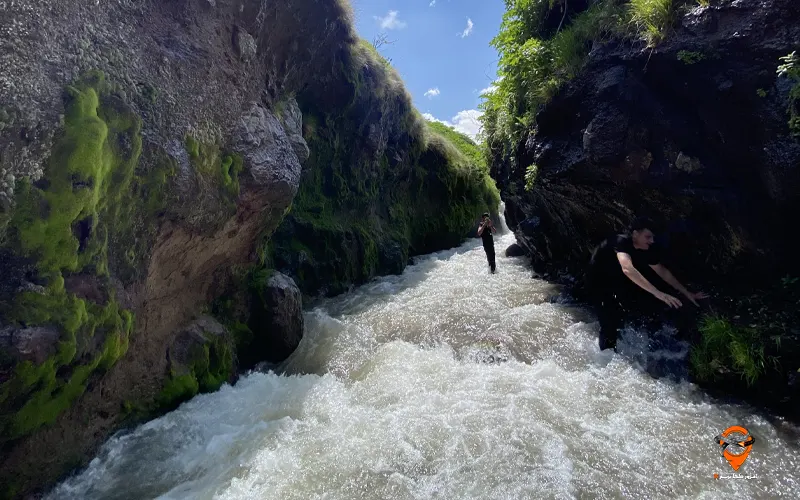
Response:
column 605, row 267
column 486, row 235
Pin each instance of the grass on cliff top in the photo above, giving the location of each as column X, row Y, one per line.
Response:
column 463, row 143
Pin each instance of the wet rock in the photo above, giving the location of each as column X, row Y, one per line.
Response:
column 87, row 287
column 514, row 250
column 391, row 257
column 188, row 347
column 276, row 319
column 34, row 344
column 605, row 136
column 687, row 164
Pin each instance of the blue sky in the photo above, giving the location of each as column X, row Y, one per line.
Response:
column 441, row 50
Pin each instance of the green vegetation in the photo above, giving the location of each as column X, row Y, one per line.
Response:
column 462, row 142
column 761, row 93
column 791, row 69
column 530, row 176
column 544, row 43
column 690, row 57
column 380, row 183
column 91, row 172
column 66, row 224
column 211, row 365
column 652, row 18
column 724, row 346
column 88, row 216
column 216, row 168
column 751, row 337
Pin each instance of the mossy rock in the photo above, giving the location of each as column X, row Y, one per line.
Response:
column 93, row 214
column 201, row 359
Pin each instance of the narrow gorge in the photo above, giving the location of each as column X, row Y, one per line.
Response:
column 177, row 178
column 236, row 261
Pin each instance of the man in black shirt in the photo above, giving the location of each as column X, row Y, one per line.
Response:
column 622, row 274
column 485, row 231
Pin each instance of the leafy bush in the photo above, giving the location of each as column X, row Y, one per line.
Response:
column 791, row 69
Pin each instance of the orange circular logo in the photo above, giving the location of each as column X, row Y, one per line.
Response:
column 736, row 443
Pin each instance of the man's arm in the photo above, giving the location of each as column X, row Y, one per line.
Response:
column 480, row 229
column 667, row 276
column 634, row 275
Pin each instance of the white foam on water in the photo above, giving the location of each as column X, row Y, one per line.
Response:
column 447, row 382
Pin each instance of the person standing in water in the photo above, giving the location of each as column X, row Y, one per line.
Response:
column 485, row 231
column 624, row 277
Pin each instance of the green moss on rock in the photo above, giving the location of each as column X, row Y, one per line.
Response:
column 90, row 172
column 36, row 394
column 91, row 215
column 210, row 365
column 379, row 185
column 216, row 167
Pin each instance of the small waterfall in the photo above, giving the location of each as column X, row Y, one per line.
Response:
column 501, row 210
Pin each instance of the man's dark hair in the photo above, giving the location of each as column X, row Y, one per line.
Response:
column 642, row 223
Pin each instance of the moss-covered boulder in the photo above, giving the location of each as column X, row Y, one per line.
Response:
column 201, row 359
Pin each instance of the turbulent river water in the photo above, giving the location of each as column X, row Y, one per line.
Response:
column 449, row 382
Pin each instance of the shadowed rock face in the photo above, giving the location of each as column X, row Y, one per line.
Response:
column 180, row 70
column 692, row 144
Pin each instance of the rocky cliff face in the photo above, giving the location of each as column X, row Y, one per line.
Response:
column 148, row 152
column 693, row 132
column 699, row 132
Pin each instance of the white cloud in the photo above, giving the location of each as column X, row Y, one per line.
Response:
column 468, row 30
column 390, row 21
column 467, row 122
column 491, row 88
column 433, row 2
column 432, row 92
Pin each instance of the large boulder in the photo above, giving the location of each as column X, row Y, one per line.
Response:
column 514, row 250
column 276, row 320
column 200, row 359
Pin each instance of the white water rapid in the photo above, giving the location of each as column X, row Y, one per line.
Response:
column 449, row 383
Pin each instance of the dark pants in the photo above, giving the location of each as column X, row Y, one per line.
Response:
column 618, row 303
column 488, row 247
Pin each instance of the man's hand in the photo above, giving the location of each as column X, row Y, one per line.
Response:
column 668, row 299
column 695, row 296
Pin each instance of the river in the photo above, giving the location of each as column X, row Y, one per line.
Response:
column 448, row 382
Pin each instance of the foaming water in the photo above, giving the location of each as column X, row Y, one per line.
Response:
column 449, row 382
